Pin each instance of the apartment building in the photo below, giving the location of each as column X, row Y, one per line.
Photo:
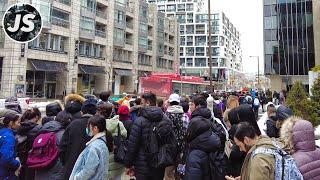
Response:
column 88, row 46
column 226, row 45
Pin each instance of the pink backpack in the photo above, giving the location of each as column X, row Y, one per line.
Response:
column 44, row 151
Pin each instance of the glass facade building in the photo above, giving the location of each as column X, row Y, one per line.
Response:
column 288, row 37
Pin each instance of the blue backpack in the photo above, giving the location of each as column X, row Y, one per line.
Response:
column 285, row 167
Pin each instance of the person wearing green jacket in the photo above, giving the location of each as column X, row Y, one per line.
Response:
column 115, row 169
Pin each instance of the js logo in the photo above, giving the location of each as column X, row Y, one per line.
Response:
column 22, row 22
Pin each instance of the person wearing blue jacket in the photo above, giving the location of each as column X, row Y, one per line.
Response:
column 9, row 165
column 93, row 162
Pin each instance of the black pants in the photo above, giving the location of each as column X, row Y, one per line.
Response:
column 155, row 174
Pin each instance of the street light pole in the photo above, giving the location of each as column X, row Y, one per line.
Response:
column 209, row 44
column 258, row 69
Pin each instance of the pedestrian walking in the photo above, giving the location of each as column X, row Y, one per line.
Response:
column 9, row 164
column 272, row 130
column 299, row 141
column 75, row 137
column 92, row 163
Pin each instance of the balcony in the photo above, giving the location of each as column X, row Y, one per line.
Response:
column 121, row 59
column 87, row 34
column 129, row 41
column 82, row 54
column 46, row 49
column 129, row 25
column 60, row 22
column 66, row 2
column 101, row 14
column 100, row 33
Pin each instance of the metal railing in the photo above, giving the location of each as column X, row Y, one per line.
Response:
column 60, row 22
column 66, row 2
column 100, row 33
column 101, row 14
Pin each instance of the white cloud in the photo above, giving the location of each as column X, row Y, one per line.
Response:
column 247, row 16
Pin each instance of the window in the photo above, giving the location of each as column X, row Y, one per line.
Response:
column 270, row 22
column 91, row 50
column 182, row 40
column 45, row 9
column 189, row 40
column 120, row 17
column 161, row 63
column 199, row 51
column 270, row 35
column 143, row 11
column 189, row 51
column 170, row 64
column 122, row 2
column 143, row 42
column 190, row 29
column 143, row 27
column 171, row 8
column 181, row 7
column 90, row 5
column 181, row 18
column 119, row 35
column 60, row 18
column 182, row 61
column 200, row 29
column 200, row 62
column 87, row 24
column 201, row 40
column 189, row 62
column 190, row 18
column 189, row 7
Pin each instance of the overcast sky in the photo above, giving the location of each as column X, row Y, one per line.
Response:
column 247, row 16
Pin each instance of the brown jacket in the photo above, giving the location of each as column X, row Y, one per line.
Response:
column 261, row 166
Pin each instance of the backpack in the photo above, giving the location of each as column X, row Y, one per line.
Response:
column 44, row 151
column 161, row 147
column 218, row 165
column 256, row 103
column 121, row 149
column 285, row 167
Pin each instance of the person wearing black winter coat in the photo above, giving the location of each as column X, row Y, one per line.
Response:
column 74, row 139
column 52, row 110
column 201, row 141
column 138, row 140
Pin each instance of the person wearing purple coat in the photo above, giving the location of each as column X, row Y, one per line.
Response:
column 299, row 140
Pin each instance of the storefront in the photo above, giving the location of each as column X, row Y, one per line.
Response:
column 123, row 81
column 91, row 79
column 45, row 79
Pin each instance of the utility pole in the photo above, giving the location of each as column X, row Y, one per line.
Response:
column 209, row 44
column 258, row 70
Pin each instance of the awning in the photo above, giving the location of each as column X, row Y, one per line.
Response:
column 50, row 66
column 92, row 69
column 123, row 72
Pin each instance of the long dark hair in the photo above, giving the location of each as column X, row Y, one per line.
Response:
column 100, row 122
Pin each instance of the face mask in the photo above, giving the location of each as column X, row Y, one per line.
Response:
column 88, row 132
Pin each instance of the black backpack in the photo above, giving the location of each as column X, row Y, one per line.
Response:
column 121, row 148
column 161, row 147
column 218, row 165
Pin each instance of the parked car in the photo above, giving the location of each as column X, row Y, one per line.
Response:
column 24, row 103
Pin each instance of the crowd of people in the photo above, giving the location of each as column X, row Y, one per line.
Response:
column 199, row 137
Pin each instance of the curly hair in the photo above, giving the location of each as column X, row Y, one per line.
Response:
column 286, row 133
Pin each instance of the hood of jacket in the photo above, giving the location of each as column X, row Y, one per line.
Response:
column 203, row 112
column 263, row 141
column 51, row 126
column 28, row 127
column 74, row 97
column 175, row 109
column 207, row 142
column 152, row 113
column 112, row 124
column 298, row 135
